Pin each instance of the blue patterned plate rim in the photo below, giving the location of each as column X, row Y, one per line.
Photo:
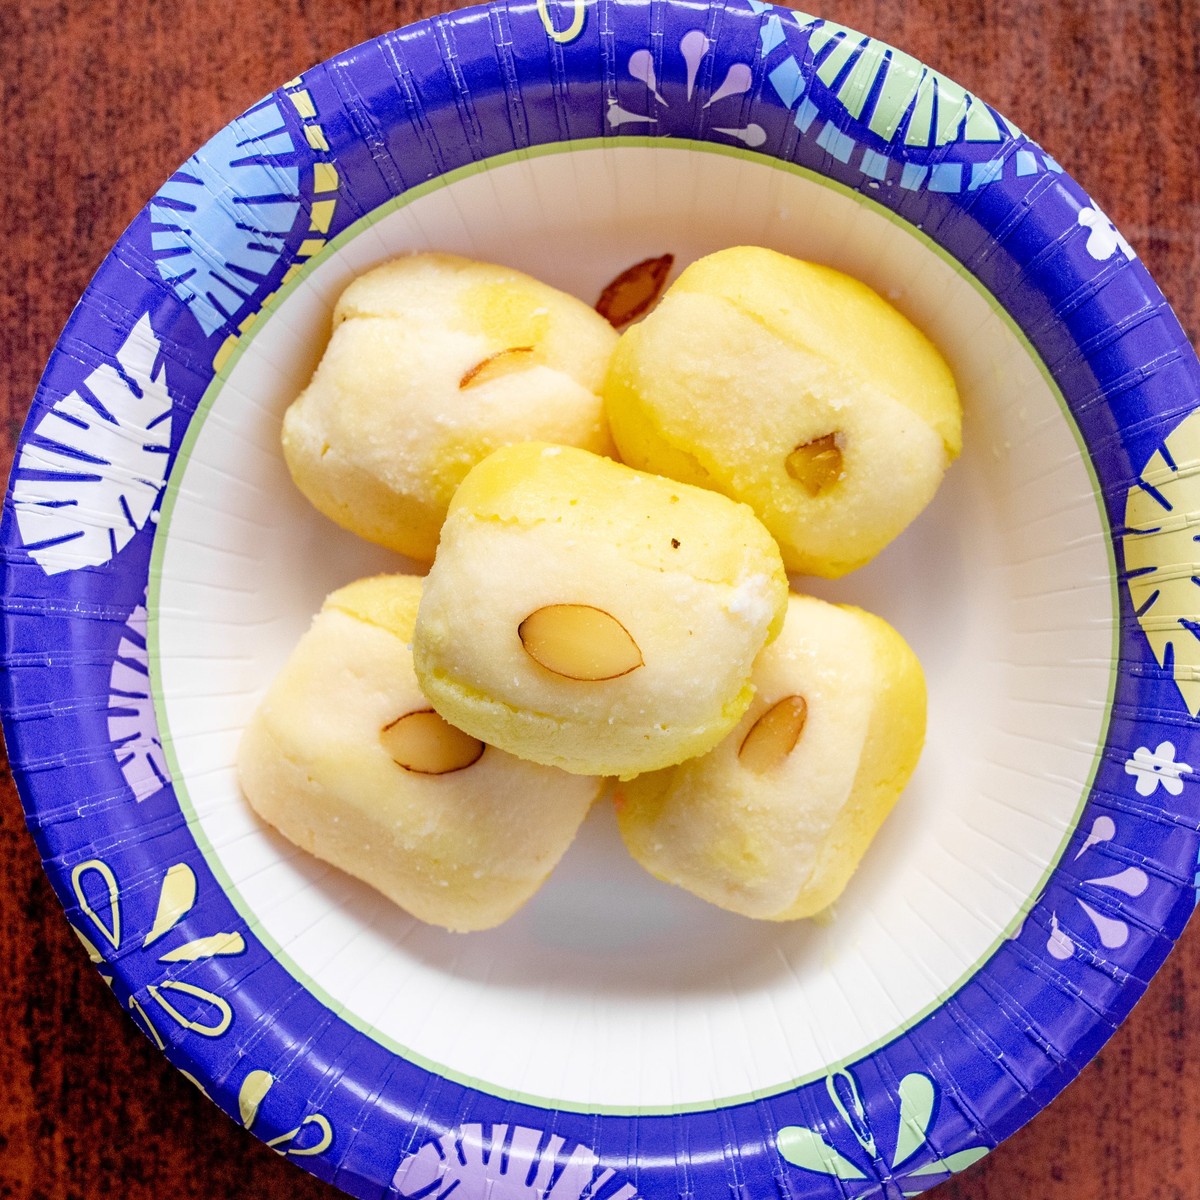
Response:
column 167, row 312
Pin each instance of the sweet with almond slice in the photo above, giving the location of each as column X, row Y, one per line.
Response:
column 773, row 822
column 435, row 361
column 347, row 760
column 793, row 388
column 592, row 617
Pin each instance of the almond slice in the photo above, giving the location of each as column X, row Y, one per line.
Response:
column 503, row 362
column 774, row 735
column 633, row 291
column 817, row 465
column 578, row 641
column 424, row 743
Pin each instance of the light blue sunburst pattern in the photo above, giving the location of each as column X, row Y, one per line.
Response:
column 219, row 223
column 506, row 1162
column 132, row 727
column 893, row 98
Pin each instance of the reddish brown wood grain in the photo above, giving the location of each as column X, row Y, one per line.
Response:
column 101, row 101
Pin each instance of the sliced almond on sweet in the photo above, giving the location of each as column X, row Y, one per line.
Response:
column 633, row 291
column 426, row 744
column 578, row 641
column 816, row 465
column 774, row 735
column 503, row 362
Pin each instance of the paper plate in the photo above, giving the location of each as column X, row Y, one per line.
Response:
column 618, row 1038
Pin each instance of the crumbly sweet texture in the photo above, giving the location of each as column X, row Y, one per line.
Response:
column 434, row 362
column 795, row 389
column 692, row 579
column 463, row 849
column 779, row 836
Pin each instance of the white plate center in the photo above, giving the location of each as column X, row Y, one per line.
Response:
column 611, row 990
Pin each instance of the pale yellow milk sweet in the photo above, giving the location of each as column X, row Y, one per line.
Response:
column 773, row 822
column 795, row 389
column 346, row 759
column 435, row 361
column 593, row 617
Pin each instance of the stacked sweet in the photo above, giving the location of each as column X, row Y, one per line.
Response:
column 586, row 618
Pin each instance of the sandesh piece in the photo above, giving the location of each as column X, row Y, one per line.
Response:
column 592, row 617
column 346, row 759
column 434, row 362
column 773, row 822
column 793, row 388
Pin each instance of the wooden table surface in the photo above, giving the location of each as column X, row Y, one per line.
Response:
column 102, row 100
